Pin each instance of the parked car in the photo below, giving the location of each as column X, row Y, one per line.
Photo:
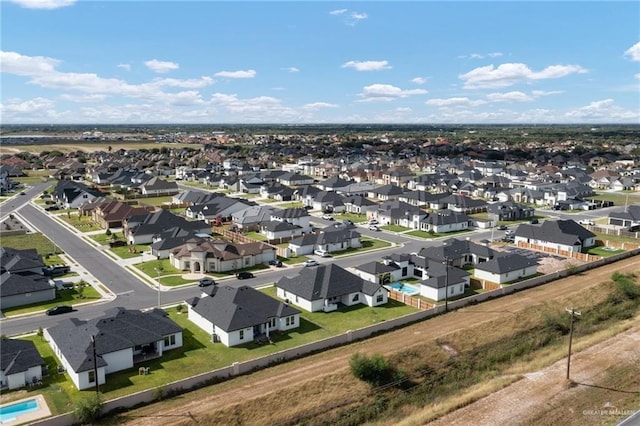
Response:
column 53, row 207
column 244, row 275
column 502, row 228
column 57, row 270
column 348, row 222
column 275, row 262
column 373, row 222
column 374, row 228
column 60, row 309
column 117, row 243
column 321, row 253
column 205, row 282
column 22, row 193
column 534, row 221
column 311, row 262
column 586, row 222
column 327, row 216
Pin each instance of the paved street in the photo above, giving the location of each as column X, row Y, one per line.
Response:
column 129, row 291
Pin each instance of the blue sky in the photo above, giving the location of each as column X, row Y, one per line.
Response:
column 66, row 61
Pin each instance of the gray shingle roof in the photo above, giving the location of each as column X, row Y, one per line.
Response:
column 118, row 329
column 325, row 281
column 506, row 263
column 567, row 232
column 13, row 284
column 235, row 308
column 18, row 355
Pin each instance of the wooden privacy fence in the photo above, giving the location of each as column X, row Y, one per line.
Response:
column 564, row 253
column 416, row 302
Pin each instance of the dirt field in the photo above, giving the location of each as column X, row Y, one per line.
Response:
column 279, row 384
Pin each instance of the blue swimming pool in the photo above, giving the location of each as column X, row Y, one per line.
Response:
column 9, row 412
column 405, row 288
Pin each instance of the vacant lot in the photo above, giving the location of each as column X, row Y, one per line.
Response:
column 315, row 383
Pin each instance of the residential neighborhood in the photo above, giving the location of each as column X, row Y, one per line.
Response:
column 252, row 252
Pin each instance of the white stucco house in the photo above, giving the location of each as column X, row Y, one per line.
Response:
column 327, row 287
column 122, row 339
column 20, row 363
column 506, row 268
column 238, row 315
column 565, row 235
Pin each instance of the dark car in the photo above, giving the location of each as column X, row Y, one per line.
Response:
column 502, row 228
column 22, row 193
column 244, row 275
column 117, row 243
column 276, row 262
column 54, row 271
column 205, row 282
column 51, row 208
column 60, row 309
column 534, row 221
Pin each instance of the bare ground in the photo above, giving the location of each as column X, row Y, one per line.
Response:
column 265, row 386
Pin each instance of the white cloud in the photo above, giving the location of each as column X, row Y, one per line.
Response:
column 83, row 98
column 512, row 73
column 603, row 111
column 236, row 74
column 367, row 65
column 261, row 108
column 319, row 105
column 481, row 55
column 633, row 52
column 419, row 80
column 192, row 83
column 161, row 66
column 15, row 63
column 387, row 92
column 637, row 76
column 351, row 18
column 510, row 97
column 291, row 69
column 44, row 4
column 124, row 66
column 29, row 106
column 455, row 102
column 494, row 54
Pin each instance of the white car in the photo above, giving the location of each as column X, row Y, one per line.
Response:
column 373, row 222
column 311, row 262
column 374, row 228
column 321, row 253
column 586, row 222
column 327, row 216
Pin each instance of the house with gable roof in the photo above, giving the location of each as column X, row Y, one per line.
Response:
column 156, row 187
column 122, row 339
column 20, row 363
column 331, row 239
column 326, row 287
column 565, row 235
column 505, row 268
column 237, row 315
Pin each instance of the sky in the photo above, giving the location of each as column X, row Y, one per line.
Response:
column 242, row 62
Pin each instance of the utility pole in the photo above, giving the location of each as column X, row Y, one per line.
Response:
column 573, row 313
column 446, row 284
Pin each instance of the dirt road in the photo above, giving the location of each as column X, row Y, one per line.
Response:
column 264, row 383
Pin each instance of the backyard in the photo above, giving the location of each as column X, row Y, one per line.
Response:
column 198, row 354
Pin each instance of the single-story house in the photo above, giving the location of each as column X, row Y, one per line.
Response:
column 24, row 288
column 20, row 363
column 237, row 315
column 325, row 287
column 506, row 268
column 120, row 338
column 565, row 235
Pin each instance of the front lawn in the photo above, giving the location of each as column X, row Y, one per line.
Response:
column 63, row 297
column 424, row 234
column 38, row 241
column 353, row 217
column 394, row 228
column 367, row 244
column 129, row 252
column 81, row 223
column 155, row 201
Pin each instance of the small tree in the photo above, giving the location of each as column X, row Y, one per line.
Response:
column 40, row 333
column 88, row 410
column 107, row 232
column 179, row 308
column 374, row 370
column 80, row 289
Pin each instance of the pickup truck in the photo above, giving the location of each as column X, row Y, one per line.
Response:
column 54, row 271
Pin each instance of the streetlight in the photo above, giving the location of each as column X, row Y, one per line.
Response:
column 158, row 269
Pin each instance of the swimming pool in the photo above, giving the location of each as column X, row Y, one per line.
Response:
column 405, row 288
column 9, row 412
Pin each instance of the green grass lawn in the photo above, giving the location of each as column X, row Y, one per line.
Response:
column 81, row 223
column 104, row 239
column 394, row 228
column 37, row 240
column 256, row 236
column 616, row 238
column 198, row 354
column 155, row 201
column 423, row 234
column 269, row 201
column 367, row 244
column 602, row 251
column 290, row 204
column 63, row 297
column 618, row 198
column 248, row 196
column 129, row 252
column 353, row 217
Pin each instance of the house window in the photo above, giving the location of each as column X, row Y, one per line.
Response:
column 287, row 321
column 92, row 376
column 355, row 298
column 187, row 265
column 170, row 340
column 380, row 298
column 241, row 334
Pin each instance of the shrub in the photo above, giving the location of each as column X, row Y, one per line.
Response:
column 625, row 284
column 88, row 410
column 107, row 232
column 374, row 370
